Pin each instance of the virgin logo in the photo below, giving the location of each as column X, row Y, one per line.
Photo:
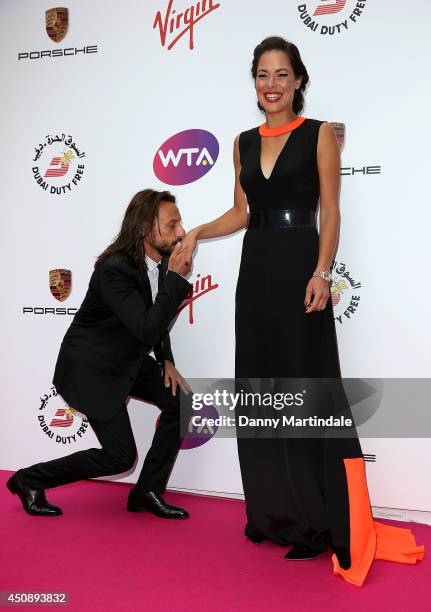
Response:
column 186, row 157
column 329, row 7
column 202, row 285
column 175, row 24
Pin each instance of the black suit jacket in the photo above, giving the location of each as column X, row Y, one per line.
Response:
column 111, row 335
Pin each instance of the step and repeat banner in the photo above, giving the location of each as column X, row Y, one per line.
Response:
column 101, row 99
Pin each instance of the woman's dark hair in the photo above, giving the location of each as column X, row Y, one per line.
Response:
column 138, row 221
column 277, row 43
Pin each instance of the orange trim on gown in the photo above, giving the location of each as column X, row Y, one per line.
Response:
column 281, row 129
column 369, row 539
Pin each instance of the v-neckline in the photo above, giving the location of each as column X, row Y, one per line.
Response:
column 278, row 156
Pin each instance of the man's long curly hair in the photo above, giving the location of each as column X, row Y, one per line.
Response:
column 139, row 219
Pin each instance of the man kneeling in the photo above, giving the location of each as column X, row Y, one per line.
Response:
column 132, row 296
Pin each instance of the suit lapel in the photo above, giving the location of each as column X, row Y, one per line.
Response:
column 145, row 287
column 165, row 266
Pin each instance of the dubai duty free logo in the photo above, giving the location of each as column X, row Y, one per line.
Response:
column 330, row 17
column 186, row 157
column 345, row 295
column 60, row 164
column 60, row 422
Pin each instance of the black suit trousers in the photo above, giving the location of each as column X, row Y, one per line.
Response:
column 118, row 453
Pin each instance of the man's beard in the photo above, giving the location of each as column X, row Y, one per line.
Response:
column 165, row 250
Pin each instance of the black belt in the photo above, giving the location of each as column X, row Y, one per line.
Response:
column 281, row 217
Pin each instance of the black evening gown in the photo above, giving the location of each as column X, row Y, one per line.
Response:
column 297, row 490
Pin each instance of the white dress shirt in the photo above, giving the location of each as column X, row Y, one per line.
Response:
column 153, row 277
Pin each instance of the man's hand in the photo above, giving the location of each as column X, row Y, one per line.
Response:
column 188, row 244
column 179, row 261
column 173, row 377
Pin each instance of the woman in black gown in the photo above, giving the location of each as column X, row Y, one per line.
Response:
column 310, row 493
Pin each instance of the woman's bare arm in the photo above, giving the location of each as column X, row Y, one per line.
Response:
column 235, row 218
column 328, row 163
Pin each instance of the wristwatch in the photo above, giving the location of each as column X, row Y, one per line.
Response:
column 325, row 274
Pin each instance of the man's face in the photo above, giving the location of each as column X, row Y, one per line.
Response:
column 167, row 229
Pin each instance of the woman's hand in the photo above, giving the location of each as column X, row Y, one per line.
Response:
column 174, row 378
column 188, row 244
column 316, row 294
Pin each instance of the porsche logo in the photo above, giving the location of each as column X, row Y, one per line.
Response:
column 339, row 129
column 60, row 283
column 57, row 23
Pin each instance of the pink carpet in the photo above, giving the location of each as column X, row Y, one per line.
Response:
column 109, row 559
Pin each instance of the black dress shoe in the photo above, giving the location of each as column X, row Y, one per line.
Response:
column 33, row 500
column 147, row 501
column 256, row 539
column 299, row 552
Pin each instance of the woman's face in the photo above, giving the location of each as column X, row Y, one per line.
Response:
column 275, row 82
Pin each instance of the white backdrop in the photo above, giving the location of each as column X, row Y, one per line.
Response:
column 105, row 99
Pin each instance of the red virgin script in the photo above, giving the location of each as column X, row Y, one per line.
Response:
column 201, row 286
column 175, row 24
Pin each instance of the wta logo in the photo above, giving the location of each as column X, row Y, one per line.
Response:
column 196, row 435
column 186, row 157
column 199, row 434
